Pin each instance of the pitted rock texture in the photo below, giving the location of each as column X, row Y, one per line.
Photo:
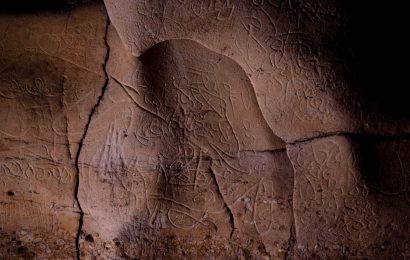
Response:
column 200, row 130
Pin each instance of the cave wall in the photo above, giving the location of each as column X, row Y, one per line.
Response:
column 50, row 81
column 198, row 129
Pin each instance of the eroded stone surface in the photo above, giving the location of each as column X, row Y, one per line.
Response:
column 187, row 157
column 50, row 70
column 199, row 129
column 351, row 197
column 295, row 53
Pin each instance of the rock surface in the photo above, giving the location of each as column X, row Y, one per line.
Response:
column 50, row 76
column 199, row 129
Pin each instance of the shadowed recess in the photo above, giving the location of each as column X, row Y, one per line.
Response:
column 29, row 6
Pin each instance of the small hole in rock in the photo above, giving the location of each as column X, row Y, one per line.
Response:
column 89, row 238
column 10, row 193
column 22, row 250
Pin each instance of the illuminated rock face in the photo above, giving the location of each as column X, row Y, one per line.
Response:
column 49, row 82
column 179, row 151
column 195, row 129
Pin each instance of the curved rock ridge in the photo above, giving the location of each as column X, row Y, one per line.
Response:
column 187, row 158
column 212, row 129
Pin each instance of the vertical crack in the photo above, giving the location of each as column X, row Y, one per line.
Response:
column 290, row 251
column 65, row 109
column 77, row 158
column 228, row 209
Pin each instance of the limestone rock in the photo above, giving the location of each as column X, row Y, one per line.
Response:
column 247, row 129
column 50, row 72
column 187, row 157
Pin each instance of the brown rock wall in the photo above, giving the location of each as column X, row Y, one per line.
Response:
column 201, row 129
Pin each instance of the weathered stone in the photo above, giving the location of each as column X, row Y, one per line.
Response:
column 187, row 155
column 202, row 129
column 50, row 70
column 351, row 197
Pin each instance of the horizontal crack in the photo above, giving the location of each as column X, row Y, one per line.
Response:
column 352, row 135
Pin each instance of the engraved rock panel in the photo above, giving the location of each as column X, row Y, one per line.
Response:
column 351, row 197
column 297, row 55
column 212, row 129
column 50, row 69
column 186, row 158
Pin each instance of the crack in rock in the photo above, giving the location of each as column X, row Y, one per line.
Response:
column 228, row 209
column 87, row 126
column 402, row 135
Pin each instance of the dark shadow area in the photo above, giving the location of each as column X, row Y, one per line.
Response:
column 376, row 34
column 30, row 6
column 385, row 170
column 384, row 164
